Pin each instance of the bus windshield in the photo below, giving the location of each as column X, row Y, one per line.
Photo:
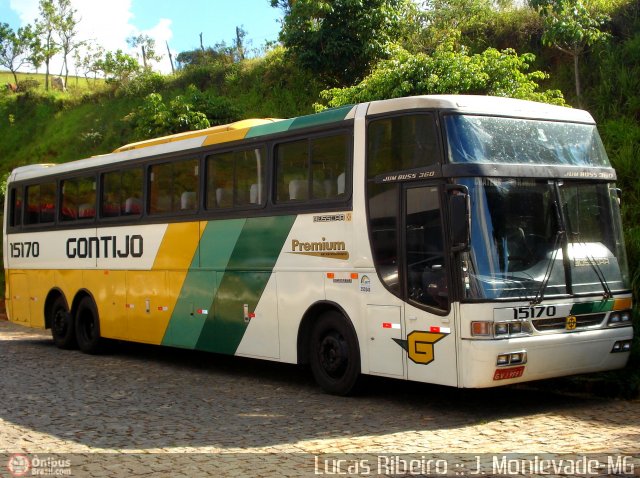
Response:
column 533, row 238
column 490, row 139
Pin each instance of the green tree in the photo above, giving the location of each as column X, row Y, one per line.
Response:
column 446, row 19
column 88, row 60
column 67, row 29
column 341, row 40
column 493, row 72
column 156, row 118
column 14, row 47
column 118, row 67
column 46, row 27
column 572, row 28
column 147, row 47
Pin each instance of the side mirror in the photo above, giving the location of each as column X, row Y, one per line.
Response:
column 459, row 218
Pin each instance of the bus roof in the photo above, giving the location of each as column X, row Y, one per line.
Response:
column 252, row 128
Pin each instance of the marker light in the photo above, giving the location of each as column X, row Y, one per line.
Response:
column 482, row 329
column 503, row 359
column 513, row 358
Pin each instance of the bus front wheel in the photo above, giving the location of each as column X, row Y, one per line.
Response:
column 334, row 354
column 62, row 326
column 88, row 327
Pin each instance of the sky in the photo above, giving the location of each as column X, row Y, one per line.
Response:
column 178, row 22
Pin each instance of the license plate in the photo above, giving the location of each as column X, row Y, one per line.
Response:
column 507, row 373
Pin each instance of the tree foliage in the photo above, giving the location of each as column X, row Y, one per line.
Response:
column 147, row 47
column 46, row 27
column 493, row 72
column 188, row 112
column 571, row 27
column 14, row 47
column 66, row 27
column 341, row 40
column 118, row 67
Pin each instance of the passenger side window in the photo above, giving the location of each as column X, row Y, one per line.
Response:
column 16, row 207
column 122, row 193
column 236, row 179
column 78, row 199
column 313, row 168
column 174, row 187
column 401, row 143
column 426, row 266
column 41, row 203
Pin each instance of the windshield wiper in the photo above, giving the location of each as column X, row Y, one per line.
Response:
column 547, row 273
column 596, row 268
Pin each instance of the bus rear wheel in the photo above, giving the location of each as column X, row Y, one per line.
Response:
column 62, row 326
column 334, row 354
column 88, row 327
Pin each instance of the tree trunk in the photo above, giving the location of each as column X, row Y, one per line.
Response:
column 576, row 73
column 170, row 58
column 46, row 75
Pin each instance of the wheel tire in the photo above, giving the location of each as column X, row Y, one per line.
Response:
column 63, row 328
column 88, row 327
column 334, row 354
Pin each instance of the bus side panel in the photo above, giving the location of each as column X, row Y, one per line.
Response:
column 39, row 286
column 109, row 291
column 260, row 339
column 244, row 282
column 297, row 291
column 152, row 295
column 19, row 301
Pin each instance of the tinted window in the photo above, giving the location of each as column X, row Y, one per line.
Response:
column 312, row 168
column 384, row 212
column 174, row 187
column 122, row 193
column 426, row 279
column 16, row 207
column 41, row 203
column 78, row 199
column 236, row 178
column 400, row 143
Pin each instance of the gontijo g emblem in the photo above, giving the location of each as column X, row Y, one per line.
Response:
column 419, row 345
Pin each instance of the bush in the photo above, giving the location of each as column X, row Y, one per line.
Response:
column 143, row 84
column 28, row 85
column 493, row 72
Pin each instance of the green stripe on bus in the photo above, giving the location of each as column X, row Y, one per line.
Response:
column 248, row 271
column 333, row 115
column 198, row 291
column 592, row 307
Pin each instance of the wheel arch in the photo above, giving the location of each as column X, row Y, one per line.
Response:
column 306, row 326
column 81, row 294
column 52, row 296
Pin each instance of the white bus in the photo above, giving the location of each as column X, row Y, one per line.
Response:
column 457, row 240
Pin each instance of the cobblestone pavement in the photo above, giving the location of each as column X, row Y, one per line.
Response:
column 151, row 411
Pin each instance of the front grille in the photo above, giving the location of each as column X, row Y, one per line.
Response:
column 559, row 323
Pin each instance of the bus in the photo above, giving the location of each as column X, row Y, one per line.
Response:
column 467, row 241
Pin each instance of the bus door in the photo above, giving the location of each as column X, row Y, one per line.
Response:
column 429, row 329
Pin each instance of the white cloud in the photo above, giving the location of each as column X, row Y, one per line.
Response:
column 109, row 24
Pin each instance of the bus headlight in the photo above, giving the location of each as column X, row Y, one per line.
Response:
column 500, row 330
column 619, row 318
